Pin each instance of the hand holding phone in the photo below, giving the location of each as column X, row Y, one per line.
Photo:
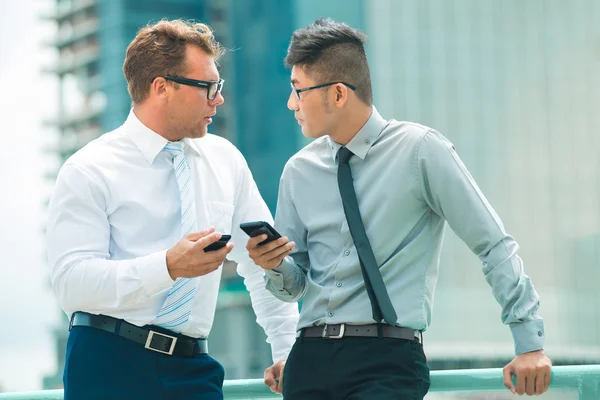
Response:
column 270, row 252
column 257, row 228
column 219, row 244
column 189, row 259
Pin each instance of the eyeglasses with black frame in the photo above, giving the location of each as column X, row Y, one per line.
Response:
column 298, row 91
column 213, row 88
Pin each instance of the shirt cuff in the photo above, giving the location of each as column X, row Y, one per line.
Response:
column 153, row 272
column 528, row 336
column 274, row 279
column 283, row 273
column 281, row 346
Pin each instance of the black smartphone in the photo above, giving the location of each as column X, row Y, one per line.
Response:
column 257, row 228
column 219, row 244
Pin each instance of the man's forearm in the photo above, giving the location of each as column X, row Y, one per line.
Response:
column 102, row 286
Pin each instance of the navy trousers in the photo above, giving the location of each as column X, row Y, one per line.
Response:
column 101, row 365
column 355, row 368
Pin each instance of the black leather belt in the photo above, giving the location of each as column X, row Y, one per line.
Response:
column 339, row 331
column 172, row 344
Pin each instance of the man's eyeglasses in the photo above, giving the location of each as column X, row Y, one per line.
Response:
column 298, row 91
column 213, row 88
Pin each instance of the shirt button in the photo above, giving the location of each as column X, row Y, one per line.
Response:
column 347, row 253
column 339, row 284
column 330, row 314
column 367, row 141
column 540, row 333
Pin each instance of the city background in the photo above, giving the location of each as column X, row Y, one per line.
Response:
column 515, row 85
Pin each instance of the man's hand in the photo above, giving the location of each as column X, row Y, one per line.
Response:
column 269, row 255
column 187, row 259
column 274, row 376
column 533, row 371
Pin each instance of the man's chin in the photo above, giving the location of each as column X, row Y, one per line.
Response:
column 200, row 133
column 309, row 134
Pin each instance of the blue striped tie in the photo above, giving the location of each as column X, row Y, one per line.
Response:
column 178, row 305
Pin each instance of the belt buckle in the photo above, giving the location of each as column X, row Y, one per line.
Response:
column 339, row 336
column 149, row 340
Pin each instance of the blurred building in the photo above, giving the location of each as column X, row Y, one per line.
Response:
column 515, row 86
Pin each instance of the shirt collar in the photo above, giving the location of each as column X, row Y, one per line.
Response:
column 148, row 142
column 365, row 138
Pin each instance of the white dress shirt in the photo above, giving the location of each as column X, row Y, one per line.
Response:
column 115, row 212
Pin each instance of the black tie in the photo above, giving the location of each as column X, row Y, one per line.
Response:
column 380, row 300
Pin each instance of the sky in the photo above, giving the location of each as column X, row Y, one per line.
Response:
column 28, row 311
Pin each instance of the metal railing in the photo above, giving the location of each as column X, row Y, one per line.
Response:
column 583, row 378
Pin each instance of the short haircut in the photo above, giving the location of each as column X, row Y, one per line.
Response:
column 159, row 49
column 331, row 51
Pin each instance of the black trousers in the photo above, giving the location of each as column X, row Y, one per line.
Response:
column 355, row 368
column 103, row 366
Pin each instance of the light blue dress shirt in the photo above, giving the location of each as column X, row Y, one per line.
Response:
column 409, row 181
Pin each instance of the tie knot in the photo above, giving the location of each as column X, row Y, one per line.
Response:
column 174, row 148
column 344, row 155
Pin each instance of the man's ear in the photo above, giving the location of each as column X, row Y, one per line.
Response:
column 160, row 89
column 341, row 95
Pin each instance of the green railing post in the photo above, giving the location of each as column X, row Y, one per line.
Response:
column 589, row 388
